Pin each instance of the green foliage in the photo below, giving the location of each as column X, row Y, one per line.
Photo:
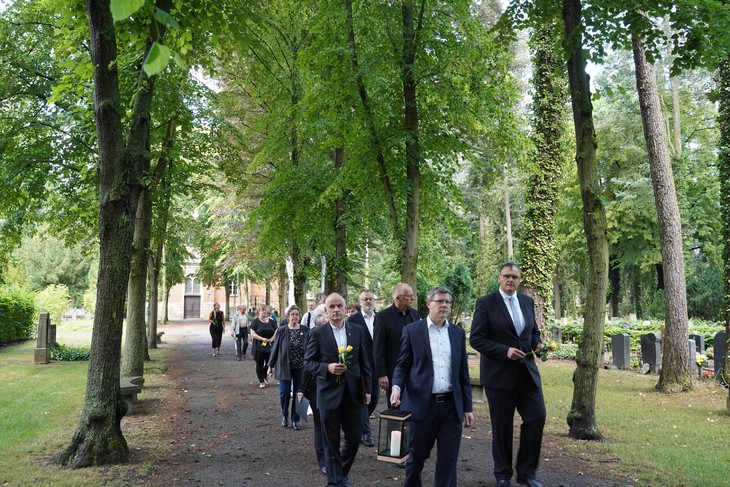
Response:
column 66, row 353
column 422, row 287
column 460, row 284
column 121, row 9
column 704, row 291
column 17, row 313
column 54, row 300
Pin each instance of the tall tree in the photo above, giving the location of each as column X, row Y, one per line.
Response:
column 675, row 370
column 98, row 438
column 582, row 415
column 538, row 250
column 724, row 173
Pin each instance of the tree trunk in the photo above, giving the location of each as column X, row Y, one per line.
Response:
column 614, row 277
column 582, row 415
column 135, row 346
column 723, row 120
column 98, row 439
column 556, row 297
column 636, row 292
column 300, row 276
column 537, row 248
column 339, row 263
column 153, row 266
column 409, row 255
column 507, row 218
column 675, row 373
column 165, row 287
column 659, row 268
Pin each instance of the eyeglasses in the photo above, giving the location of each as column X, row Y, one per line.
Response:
column 511, row 276
column 441, row 301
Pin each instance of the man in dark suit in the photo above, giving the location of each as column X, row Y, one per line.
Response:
column 339, row 386
column 433, row 374
column 366, row 319
column 505, row 334
column 389, row 325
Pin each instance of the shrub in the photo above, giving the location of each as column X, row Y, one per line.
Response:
column 17, row 313
column 65, row 353
column 55, row 300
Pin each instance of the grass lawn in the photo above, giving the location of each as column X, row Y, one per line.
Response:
column 39, row 410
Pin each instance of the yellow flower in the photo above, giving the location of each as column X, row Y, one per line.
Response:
column 340, row 349
column 349, row 349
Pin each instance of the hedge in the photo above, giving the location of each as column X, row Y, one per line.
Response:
column 17, row 316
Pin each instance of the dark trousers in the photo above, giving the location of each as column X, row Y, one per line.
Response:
column 285, row 389
column 528, row 400
column 440, row 425
column 318, row 438
column 348, row 417
column 262, row 363
column 368, row 410
column 242, row 342
column 216, row 334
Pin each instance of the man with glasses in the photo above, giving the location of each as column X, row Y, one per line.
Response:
column 432, row 375
column 389, row 325
column 505, row 334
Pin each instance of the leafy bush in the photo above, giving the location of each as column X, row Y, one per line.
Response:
column 17, row 313
column 65, row 353
column 55, row 300
column 565, row 351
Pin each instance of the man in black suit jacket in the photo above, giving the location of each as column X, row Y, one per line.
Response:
column 339, row 386
column 433, row 374
column 366, row 319
column 505, row 334
column 389, row 325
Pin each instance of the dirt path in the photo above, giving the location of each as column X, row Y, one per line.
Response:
column 221, row 429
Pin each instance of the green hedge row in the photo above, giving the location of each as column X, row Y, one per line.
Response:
column 17, row 316
column 66, row 353
column 572, row 331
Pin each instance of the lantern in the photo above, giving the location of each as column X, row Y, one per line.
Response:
column 394, row 435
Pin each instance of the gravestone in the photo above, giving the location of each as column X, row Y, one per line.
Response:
column 42, row 349
column 51, row 335
column 621, row 352
column 692, row 358
column 651, row 352
column 699, row 342
column 557, row 334
column 719, row 347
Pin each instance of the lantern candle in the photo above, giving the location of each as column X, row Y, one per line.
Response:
column 395, row 443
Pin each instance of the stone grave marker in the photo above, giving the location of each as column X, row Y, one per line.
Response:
column 719, row 347
column 692, row 358
column 557, row 333
column 42, row 347
column 699, row 342
column 651, row 352
column 620, row 351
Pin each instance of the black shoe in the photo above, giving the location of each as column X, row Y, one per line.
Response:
column 401, row 464
column 367, row 440
column 529, row 482
column 504, row 483
column 295, row 425
column 284, row 422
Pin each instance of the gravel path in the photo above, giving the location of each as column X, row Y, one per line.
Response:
column 221, row 429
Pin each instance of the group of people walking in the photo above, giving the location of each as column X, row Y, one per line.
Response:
column 341, row 361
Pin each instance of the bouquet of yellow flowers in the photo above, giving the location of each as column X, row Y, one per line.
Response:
column 343, row 357
column 543, row 352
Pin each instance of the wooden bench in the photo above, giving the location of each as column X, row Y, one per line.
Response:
column 159, row 336
column 477, row 391
column 130, row 387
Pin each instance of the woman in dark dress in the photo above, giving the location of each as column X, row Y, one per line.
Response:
column 287, row 360
column 216, row 328
column 263, row 331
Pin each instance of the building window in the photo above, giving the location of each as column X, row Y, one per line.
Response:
column 192, row 285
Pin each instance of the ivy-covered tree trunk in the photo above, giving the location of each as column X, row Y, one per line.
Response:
column 723, row 164
column 98, row 439
column 339, row 263
column 675, row 374
column 582, row 415
column 614, row 277
column 537, row 247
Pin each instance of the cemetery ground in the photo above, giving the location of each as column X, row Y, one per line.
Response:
column 203, row 421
